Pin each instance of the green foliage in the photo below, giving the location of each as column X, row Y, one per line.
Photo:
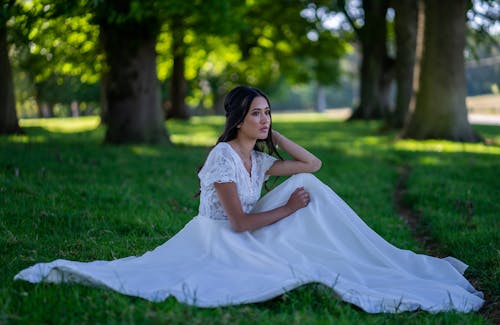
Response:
column 264, row 43
column 65, row 195
column 56, row 54
column 269, row 46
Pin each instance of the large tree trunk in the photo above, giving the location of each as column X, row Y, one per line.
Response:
column 373, row 36
column 103, row 99
column 8, row 116
column 45, row 108
column 218, row 95
column 178, row 86
column 320, row 98
column 406, row 27
column 39, row 106
column 134, row 113
column 440, row 110
column 385, row 82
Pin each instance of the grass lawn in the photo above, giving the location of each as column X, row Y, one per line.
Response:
column 63, row 194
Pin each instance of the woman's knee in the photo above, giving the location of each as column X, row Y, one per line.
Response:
column 305, row 179
column 305, row 176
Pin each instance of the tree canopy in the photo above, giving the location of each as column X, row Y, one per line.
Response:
column 176, row 58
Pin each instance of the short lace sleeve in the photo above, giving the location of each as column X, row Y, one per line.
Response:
column 218, row 168
column 264, row 161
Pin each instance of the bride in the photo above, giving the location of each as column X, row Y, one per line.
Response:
column 241, row 249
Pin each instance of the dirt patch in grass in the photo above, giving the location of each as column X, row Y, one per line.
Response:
column 413, row 219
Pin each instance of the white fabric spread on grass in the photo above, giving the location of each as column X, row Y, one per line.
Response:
column 207, row 264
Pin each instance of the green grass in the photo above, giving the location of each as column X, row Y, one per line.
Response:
column 63, row 194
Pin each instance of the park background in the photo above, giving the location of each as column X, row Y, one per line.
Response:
column 107, row 109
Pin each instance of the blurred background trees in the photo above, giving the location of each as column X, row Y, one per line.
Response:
column 136, row 63
column 8, row 114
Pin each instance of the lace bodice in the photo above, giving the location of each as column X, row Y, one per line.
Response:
column 224, row 165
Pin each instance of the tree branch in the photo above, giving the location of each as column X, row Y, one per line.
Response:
column 351, row 21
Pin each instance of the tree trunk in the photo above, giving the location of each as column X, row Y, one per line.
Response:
column 134, row 112
column 320, row 98
column 440, row 110
column 406, row 27
column 373, row 36
column 103, row 99
column 39, row 106
column 178, row 87
column 218, row 95
column 385, row 83
column 9, row 123
column 74, row 108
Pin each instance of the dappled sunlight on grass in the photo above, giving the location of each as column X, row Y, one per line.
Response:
column 212, row 119
column 64, row 125
column 145, row 150
column 430, row 160
column 372, row 140
column 445, row 146
column 193, row 140
column 204, row 131
column 25, row 138
column 334, row 134
column 301, row 117
column 84, row 129
column 197, row 131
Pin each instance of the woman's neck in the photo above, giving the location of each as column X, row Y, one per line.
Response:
column 244, row 146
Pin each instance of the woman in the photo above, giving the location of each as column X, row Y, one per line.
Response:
column 240, row 249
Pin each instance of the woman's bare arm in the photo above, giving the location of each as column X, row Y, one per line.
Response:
column 304, row 161
column 241, row 221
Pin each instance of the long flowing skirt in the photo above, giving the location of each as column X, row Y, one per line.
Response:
column 207, row 264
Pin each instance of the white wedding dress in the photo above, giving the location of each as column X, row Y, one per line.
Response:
column 207, row 264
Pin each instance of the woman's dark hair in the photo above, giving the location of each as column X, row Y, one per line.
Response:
column 236, row 105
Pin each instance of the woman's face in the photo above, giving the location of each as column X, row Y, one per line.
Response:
column 257, row 121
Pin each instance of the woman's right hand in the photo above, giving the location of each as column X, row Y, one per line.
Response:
column 298, row 200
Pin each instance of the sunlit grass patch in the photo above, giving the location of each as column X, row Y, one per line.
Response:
column 145, row 150
column 300, row 117
column 64, row 125
column 445, row 146
column 24, row 138
column 197, row 131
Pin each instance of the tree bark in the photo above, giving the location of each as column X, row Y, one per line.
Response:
column 218, row 92
column 320, row 98
column 39, row 107
column 134, row 113
column 406, row 28
column 178, row 86
column 440, row 110
column 103, row 99
column 373, row 37
column 9, row 123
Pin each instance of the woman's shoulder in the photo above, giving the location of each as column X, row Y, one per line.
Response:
column 261, row 155
column 219, row 165
column 221, row 149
